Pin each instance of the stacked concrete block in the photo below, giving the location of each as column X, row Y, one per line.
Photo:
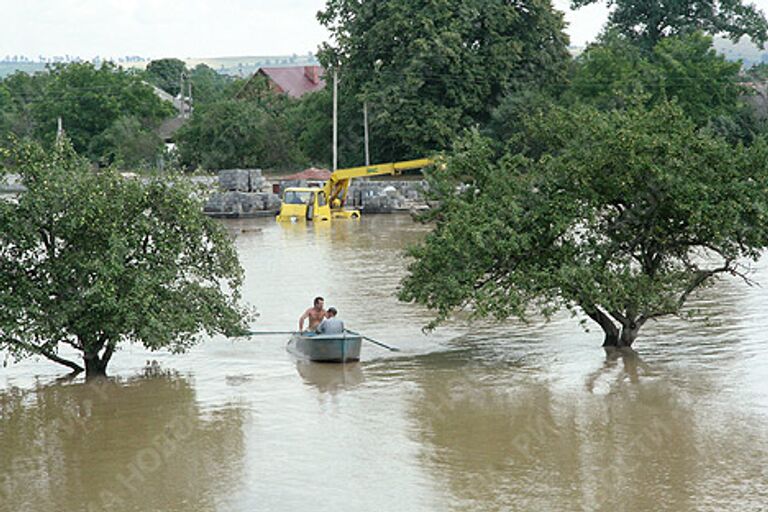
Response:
column 386, row 196
column 243, row 194
column 235, row 180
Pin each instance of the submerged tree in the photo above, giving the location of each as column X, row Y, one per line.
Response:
column 620, row 215
column 90, row 260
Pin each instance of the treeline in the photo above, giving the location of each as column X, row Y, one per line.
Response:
column 113, row 116
column 451, row 67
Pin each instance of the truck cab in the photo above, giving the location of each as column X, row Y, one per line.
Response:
column 310, row 203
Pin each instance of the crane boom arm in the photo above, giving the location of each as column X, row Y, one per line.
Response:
column 337, row 184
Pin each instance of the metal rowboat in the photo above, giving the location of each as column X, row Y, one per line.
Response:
column 327, row 348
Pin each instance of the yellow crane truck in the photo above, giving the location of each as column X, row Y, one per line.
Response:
column 327, row 202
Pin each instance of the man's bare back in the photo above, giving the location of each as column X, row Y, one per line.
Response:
column 315, row 315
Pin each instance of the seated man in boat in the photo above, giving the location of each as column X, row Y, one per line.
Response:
column 315, row 314
column 331, row 324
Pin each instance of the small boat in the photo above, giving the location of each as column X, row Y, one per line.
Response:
column 326, row 348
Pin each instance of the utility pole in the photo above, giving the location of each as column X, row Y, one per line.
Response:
column 365, row 126
column 189, row 86
column 181, row 95
column 335, row 119
column 59, row 130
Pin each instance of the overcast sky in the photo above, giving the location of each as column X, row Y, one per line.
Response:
column 193, row 28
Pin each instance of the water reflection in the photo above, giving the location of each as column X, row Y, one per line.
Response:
column 330, row 378
column 138, row 444
column 631, row 367
column 509, row 441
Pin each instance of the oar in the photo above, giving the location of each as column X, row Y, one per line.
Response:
column 263, row 333
column 375, row 342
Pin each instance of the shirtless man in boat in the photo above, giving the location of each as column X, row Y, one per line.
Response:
column 315, row 314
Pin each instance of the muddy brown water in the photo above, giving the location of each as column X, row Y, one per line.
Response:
column 489, row 418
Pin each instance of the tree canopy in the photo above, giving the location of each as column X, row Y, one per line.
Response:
column 166, row 74
column 649, row 21
column 237, row 134
column 614, row 72
column 90, row 260
column 91, row 101
column 620, row 215
column 430, row 69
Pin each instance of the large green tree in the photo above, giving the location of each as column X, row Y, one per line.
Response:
column 89, row 100
column 167, row 74
column 90, row 260
column 649, row 21
column 237, row 134
column 16, row 111
column 620, row 215
column 429, row 69
column 208, row 86
column 614, row 72
column 129, row 144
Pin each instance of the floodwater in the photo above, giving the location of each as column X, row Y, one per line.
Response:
column 489, row 418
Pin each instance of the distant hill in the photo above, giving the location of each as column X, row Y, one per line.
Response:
column 744, row 50
column 236, row 66
column 8, row 68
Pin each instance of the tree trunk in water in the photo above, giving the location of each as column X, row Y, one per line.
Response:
column 95, row 366
column 606, row 324
column 611, row 338
column 629, row 335
column 623, row 339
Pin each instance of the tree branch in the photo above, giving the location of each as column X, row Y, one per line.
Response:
column 601, row 318
column 697, row 281
column 45, row 353
column 108, row 353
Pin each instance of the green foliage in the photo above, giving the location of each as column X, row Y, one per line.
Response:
column 649, row 21
column 128, row 143
column 311, row 121
column 16, row 112
column 619, row 214
column 612, row 73
column 90, row 100
column 6, row 104
column 430, row 69
column 615, row 73
column 237, row 134
column 91, row 260
column 166, row 74
column 208, row 86
column 697, row 77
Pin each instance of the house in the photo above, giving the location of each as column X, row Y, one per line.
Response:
column 176, row 101
column 168, row 128
column 313, row 177
column 295, row 81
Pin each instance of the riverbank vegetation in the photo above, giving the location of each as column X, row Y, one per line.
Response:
column 614, row 183
column 90, row 260
column 641, row 180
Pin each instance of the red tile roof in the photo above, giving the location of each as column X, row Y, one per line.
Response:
column 296, row 81
column 311, row 174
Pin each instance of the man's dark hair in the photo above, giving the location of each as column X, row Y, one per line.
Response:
column 332, row 311
column 318, row 299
